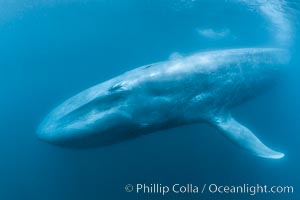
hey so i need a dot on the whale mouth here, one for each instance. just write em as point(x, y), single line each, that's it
point(70, 136)
point(85, 138)
point(70, 127)
point(86, 130)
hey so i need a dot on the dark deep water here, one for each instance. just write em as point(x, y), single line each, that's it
point(51, 50)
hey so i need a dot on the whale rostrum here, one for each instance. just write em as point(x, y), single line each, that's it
point(200, 88)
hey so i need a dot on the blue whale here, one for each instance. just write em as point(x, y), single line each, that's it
point(200, 88)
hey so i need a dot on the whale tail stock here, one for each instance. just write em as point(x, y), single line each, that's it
point(243, 137)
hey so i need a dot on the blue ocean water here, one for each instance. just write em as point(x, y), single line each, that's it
point(51, 50)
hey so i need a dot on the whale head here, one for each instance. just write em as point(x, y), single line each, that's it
point(94, 117)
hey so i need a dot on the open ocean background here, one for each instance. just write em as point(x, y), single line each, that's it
point(51, 50)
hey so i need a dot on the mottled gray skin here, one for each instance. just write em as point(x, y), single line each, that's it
point(183, 90)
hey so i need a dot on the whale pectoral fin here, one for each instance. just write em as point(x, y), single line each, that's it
point(244, 138)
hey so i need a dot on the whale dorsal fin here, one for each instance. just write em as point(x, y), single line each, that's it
point(243, 137)
point(175, 56)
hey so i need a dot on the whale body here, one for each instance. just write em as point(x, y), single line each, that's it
point(200, 88)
